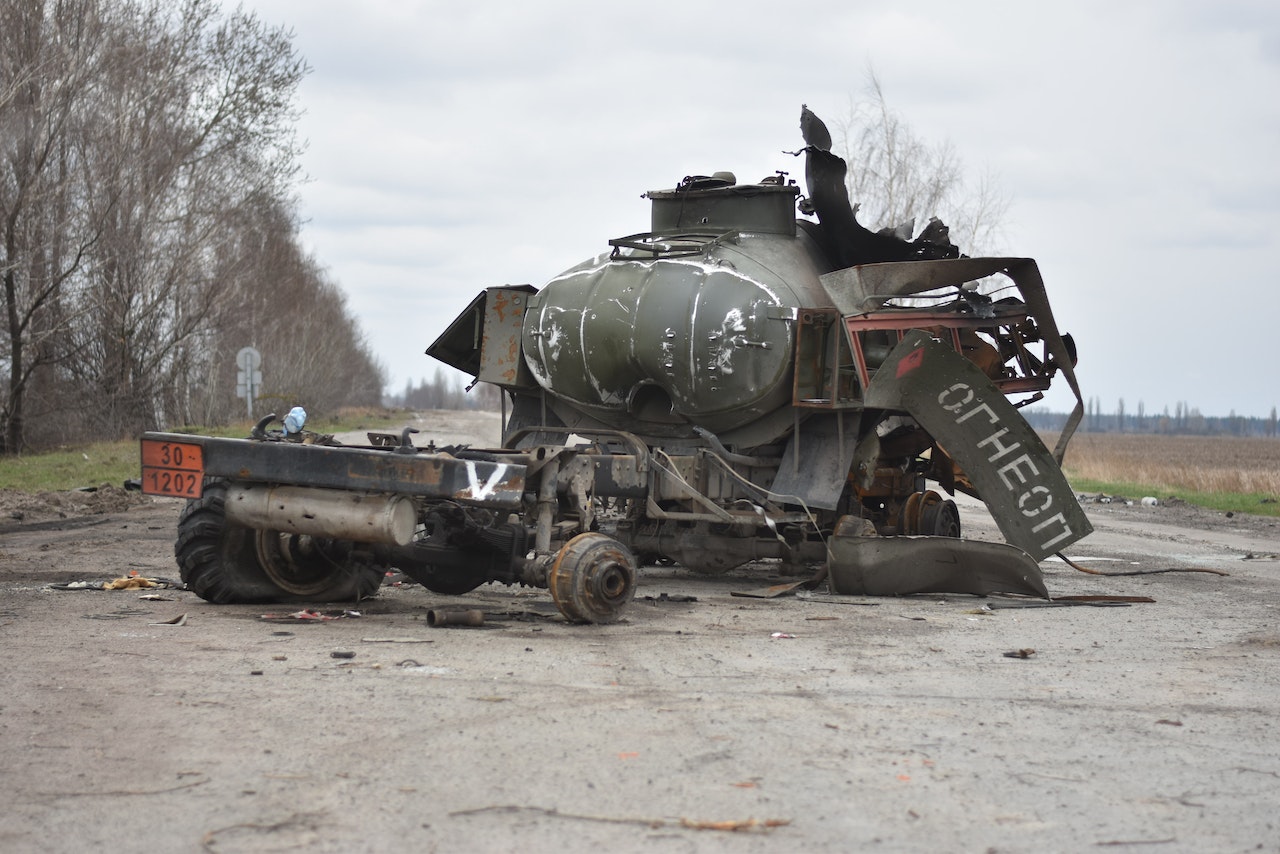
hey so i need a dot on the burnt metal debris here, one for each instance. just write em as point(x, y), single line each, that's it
point(734, 384)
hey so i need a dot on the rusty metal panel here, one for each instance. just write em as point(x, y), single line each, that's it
point(864, 288)
point(815, 466)
point(902, 566)
point(1013, 471)
point(501, 361)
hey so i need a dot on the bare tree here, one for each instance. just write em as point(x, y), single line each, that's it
point(51, 59)
point(895, 177)
point(280, 301)
point(148, 226)
point(200, 129)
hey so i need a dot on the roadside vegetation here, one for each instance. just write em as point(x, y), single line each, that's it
point(95, 463)
point(1224, 473)
point(149, 225)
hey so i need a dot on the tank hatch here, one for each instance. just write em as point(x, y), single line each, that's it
point(718, 203)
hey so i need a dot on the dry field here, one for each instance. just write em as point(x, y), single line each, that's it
point(1199, 463)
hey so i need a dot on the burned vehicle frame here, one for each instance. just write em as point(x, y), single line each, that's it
point(734, 384)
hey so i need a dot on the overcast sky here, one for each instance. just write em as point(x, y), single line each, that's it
point(454, 146)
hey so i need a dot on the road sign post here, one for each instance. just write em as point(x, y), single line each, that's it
point(248, 378)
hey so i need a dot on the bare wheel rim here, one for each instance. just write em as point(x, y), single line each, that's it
point(297, 563)
point(940, 518)
point(593, 579)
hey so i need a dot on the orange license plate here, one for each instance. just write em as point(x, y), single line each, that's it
point(175, 469)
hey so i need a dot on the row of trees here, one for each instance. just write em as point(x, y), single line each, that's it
point(148, 223)
point(445, 391)
point(1185, 420)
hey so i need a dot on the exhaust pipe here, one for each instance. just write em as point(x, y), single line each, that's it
point(329, 513)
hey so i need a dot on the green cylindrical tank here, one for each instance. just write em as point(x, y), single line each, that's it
point(690, 324)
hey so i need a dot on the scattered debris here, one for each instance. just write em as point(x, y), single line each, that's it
point(342, 653)
point(114, 793)
point(180, 620)
point(396, 640)
point(410, 665)
point(677, 597)
point(119, 615)
point(772, 592)
point(733, 826)
point(297, 820)
point(132, 581)
point(440, 619)
point(781, 636)
point(308, 615)
point(1020, 653)
point(1069, 562)
point(1125, 843)
point(834, 598)
point(1061, 602)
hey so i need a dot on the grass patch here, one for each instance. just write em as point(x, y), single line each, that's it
point(1223, 502)
point(58, 471)
point(115, 462)
point(1233, 474)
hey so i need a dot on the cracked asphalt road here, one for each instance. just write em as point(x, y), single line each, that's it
point(874, 724)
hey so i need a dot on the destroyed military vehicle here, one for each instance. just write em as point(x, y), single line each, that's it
point(756, 376)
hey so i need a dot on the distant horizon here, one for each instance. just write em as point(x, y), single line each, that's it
point(1132, 418)
point(1149, 413)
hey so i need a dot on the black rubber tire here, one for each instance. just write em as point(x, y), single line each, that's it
point(218, 560)
point(941, 519)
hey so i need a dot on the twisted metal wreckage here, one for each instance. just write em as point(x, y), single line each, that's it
point(734, 384)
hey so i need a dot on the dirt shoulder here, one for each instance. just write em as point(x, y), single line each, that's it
point(850, 724)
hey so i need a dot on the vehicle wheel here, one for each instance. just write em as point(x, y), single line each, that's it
point(593, 578)
point(317, 569)
point(909, 516)
point(940, 518)
point(225, 563)
point(218, 560)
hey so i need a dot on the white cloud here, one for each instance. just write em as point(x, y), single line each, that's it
point(454, 146)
